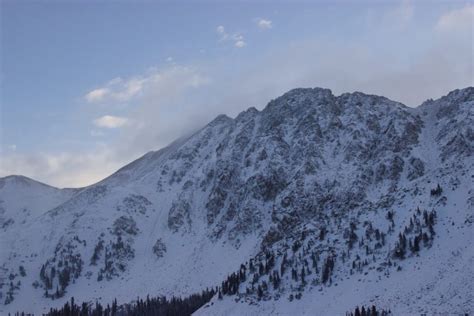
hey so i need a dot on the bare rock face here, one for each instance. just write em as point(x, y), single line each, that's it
point(179, 215)
point(159, 248)
point(124, 225)
point(134, 204)
point(454, 116)
point(416, 168)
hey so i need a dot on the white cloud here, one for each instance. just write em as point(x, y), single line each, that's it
point(97, 95)
point(239, 41)
point(264, 24)
point(220, 29)
point(109, 121)
point(239, 44)
point(222, 33)
point(169, 59)
point(130, 88)
point(459, 19)
point(117, 90)
point(237, 38)
point(121, 90)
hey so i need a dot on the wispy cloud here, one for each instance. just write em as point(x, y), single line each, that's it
point(110, 121)
point(239, 44)
point(117, 90)
point(168, 98)
point(124, 90)
point(97, 95)
point(239, 41)
point(222, 33)
point(237, 38)
point(170, 104)
point(459, 19)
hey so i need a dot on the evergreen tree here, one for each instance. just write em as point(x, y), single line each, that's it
point(374, 311)
point(259, 292)
point(357, 311)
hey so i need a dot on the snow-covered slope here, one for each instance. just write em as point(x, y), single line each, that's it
point(23, 200)
point(23, 195)
point(313, 180)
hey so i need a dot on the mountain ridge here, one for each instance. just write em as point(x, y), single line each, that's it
point(238, 188)
point(459, 93)
point(465, 92)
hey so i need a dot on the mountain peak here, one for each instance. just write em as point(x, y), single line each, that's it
point(314, 91)
point(301, 98)
point(461, 95)
point(244, 115)
point(299, 93)
point(220, 119)
point(20, 180)
point(449, 103)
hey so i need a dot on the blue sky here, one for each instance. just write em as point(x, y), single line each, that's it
point(89, 86)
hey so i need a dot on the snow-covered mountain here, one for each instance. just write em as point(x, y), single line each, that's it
point(315, 204)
